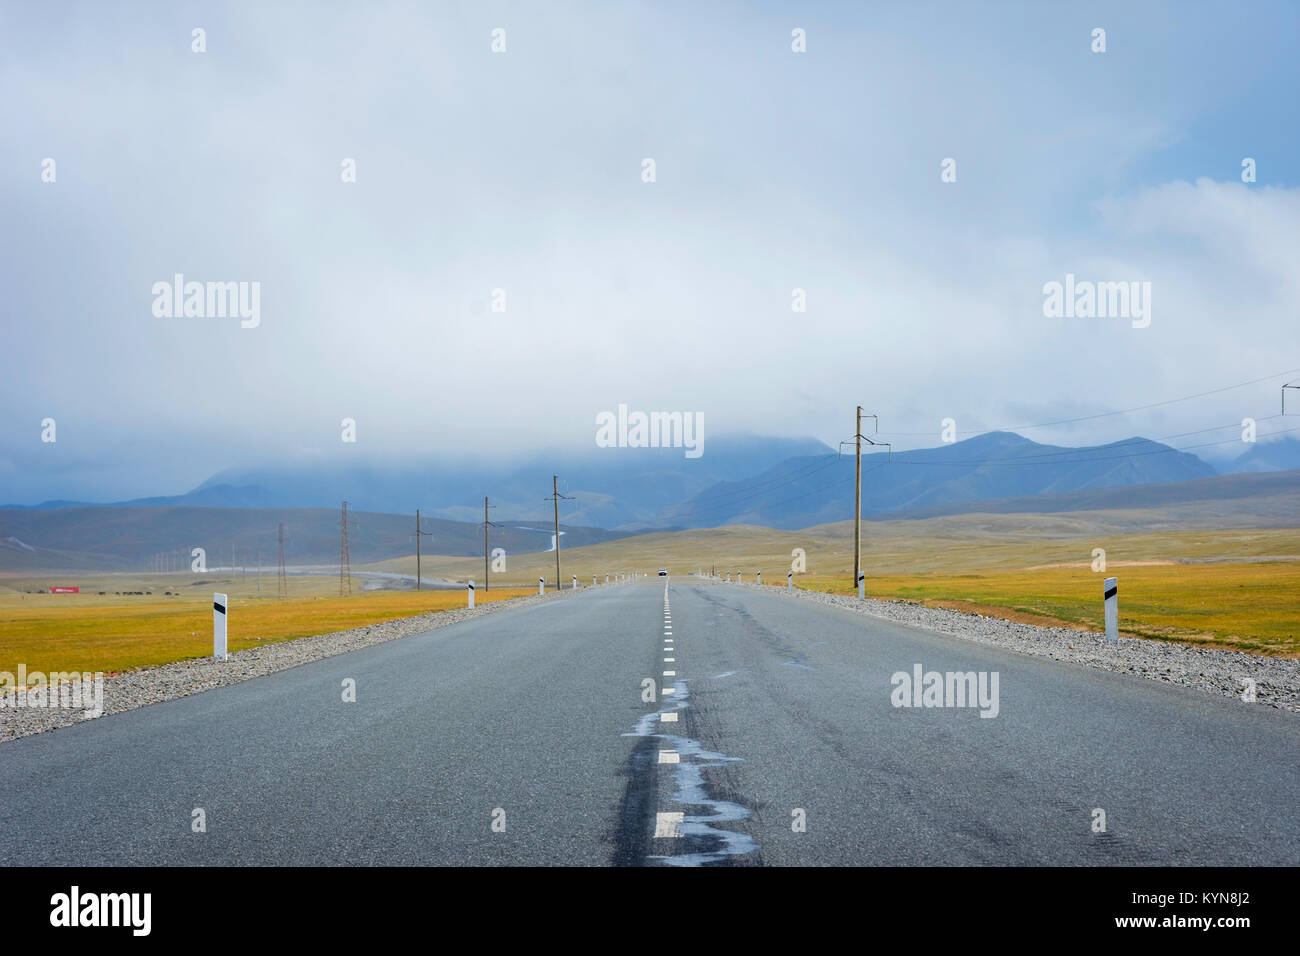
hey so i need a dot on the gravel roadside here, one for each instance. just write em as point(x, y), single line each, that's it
point(1226, 673)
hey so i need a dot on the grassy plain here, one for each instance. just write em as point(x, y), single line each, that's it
point(111, 633)
point(1244, 606)
point(1234, 588)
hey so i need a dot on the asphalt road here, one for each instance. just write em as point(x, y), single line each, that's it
point(522, 738)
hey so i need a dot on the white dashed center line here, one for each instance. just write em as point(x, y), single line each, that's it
point(668, 824)
point(669, 756)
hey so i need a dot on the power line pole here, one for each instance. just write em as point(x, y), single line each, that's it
point(418, 535)
point(345, 555)
point(282, 581)
point(857, 500)
point(486, 524)
point(858, 439)
point(555, 497)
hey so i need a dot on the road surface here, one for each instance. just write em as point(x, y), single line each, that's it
point(521, 737)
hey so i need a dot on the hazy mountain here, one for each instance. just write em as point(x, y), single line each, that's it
point(1280, 455)
point(741, 479)
point(1246, 500)
point(811, 490)
point(608, 487)
point(124, 539)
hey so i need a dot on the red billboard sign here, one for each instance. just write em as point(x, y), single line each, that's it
point(65, 590)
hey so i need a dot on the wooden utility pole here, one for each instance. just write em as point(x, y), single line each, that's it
point(281, 582)
point(555, 496)
point(486, 585)
point(857, 501)
point(418, 534)
point(858, 439)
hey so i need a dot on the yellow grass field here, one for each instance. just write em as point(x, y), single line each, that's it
point(1252, 607)
point(89, 632)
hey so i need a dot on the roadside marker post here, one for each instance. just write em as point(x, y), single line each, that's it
point(219, 604)
point(1111, 596)
point(470, 591)
point(862, 586)
point(607, 579)
point(541, 585)
point(575, 583)
point(759, 578)
point(593, 580)
point(789, 580)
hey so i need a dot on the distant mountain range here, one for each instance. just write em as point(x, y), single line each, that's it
point(742, 479)
point(608, 487)
point(811, 490)
point(133, 538)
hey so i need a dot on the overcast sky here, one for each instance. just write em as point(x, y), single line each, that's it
point(522, 171)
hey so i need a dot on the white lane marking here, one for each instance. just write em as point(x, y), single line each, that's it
point(668, 824)
point(669, 756)
point(669, 690)
point(670, 660)
point(669, 718)
point(670, 673)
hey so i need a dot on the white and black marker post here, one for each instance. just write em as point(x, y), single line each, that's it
point(1111, 586)
point(862, 586)
point(541, 585)
point(789, 580)
point(469, 590)
point(575, 582)
point(219, 626)
point(607, 579)
point(759, 578)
